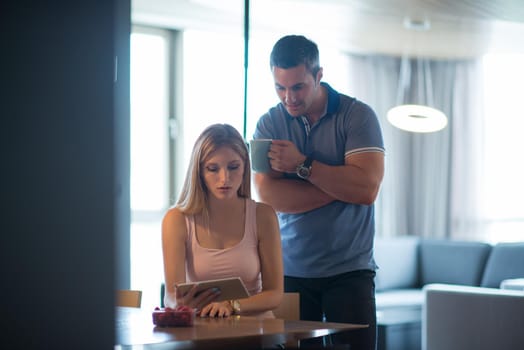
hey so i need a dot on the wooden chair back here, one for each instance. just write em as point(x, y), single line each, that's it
point(289, 308)
point(130, 298)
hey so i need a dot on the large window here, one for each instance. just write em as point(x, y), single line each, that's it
point(150, 188)
point(504, 169)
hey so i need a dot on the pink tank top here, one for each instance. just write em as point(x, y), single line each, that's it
point(241, 260)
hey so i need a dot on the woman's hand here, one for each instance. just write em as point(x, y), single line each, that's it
point(217, 309)
point(197, 300)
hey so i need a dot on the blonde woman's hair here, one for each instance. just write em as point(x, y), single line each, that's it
point(194, 194)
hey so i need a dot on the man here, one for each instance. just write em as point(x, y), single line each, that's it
point(327, 160)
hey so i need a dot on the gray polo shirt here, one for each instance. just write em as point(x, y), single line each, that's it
point(338, 237)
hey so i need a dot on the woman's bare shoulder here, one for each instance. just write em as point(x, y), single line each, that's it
point(267, 223)
point(264, 210)
point(174, 221)
point(175, 214)
point(266, 218)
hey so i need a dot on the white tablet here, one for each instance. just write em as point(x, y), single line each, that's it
point(230, 288)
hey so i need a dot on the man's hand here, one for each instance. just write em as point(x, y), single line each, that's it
point(284, 156)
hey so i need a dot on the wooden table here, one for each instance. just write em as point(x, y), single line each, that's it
point(135, 329)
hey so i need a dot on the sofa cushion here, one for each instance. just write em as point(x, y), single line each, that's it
point(505, 261)
point(453, 262)
point(397, 262)
point(403, 298)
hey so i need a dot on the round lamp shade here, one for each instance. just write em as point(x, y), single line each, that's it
point(417, 118)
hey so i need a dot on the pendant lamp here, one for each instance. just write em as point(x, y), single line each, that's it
point(415, 111)
point(417, 118)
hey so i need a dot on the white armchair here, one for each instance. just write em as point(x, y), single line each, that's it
point(460, 318)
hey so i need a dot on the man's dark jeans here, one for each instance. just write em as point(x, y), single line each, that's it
point(346, 298)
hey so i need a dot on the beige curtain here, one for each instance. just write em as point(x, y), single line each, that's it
point(428, 189)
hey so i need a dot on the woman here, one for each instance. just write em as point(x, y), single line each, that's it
point(216, 230)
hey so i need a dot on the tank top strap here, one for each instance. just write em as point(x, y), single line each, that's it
point(251, 217)
point(190, 229)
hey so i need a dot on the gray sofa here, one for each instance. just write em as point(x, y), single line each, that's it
point(407, 264)
point(464, 317)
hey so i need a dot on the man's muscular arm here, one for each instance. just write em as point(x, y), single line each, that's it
point(289, 195)
point(357, 181)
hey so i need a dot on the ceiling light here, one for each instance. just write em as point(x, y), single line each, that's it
point(417, 24)
point(415, 110)
point(417, 118)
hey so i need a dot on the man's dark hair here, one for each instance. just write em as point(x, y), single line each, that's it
point(293, 50)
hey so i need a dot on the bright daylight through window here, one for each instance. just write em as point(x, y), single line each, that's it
point(504, 168)
point(149, 159)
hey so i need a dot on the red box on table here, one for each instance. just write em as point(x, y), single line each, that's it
point(182, 316)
